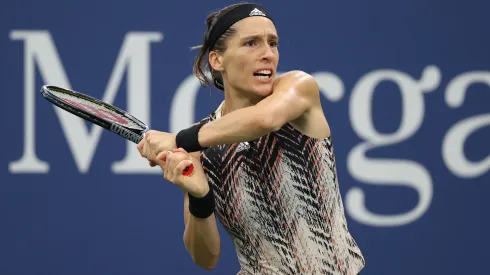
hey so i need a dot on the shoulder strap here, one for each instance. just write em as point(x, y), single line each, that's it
point(216, 114)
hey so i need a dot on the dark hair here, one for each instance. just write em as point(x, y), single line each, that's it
point(200, 65)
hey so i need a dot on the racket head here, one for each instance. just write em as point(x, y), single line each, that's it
point(96, 111)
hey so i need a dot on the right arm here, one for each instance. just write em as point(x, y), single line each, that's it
point(201, 236)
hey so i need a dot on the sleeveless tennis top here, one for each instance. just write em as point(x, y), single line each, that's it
point(278, 198)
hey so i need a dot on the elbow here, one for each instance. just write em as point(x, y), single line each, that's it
point(204, 259)
point(207, 261)
point(210, 262)
point(268, 123)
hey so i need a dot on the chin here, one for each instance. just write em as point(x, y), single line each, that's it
point(264, 90)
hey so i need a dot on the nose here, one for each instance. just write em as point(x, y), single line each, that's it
point(269, 53)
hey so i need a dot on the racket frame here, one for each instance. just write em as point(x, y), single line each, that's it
point(131, 134)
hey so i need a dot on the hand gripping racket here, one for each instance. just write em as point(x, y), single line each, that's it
point(100, 113)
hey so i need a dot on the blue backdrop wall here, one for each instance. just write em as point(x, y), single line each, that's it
point(405, 87)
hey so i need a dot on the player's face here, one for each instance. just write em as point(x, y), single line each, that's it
point(250, 61)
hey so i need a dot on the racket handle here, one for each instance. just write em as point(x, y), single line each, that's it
point(188, 170)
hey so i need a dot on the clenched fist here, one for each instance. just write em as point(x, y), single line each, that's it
point(154, 143)
point(173, 164)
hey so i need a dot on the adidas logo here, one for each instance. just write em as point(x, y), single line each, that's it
point(256, 12)
point(242, 146)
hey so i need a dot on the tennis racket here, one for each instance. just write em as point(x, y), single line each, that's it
point(100, 113)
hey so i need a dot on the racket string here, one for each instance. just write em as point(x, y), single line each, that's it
point(97, 109)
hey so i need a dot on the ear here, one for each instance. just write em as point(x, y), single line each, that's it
point(216, 61)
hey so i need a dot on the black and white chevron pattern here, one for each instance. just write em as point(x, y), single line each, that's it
point(280, 202)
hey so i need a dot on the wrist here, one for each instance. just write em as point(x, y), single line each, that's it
point(174, 142)
point(200, 192)
point(202, 207)
point(188, 139)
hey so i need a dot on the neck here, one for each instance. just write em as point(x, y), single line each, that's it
point(235, 100)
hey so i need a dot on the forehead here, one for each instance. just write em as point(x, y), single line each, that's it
point(255, 25)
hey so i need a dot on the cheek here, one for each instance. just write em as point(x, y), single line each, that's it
point(240, 70)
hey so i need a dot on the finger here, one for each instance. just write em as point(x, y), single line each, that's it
point(162, 156)
point(147, 152)
point(144, 150)
point(149, 155)
point(140, 145)
point(161, 160)
point(167, 171)
point(183, 165)
point(173, 159)
point(176, 158)
point(164, 167)
point(179, 150)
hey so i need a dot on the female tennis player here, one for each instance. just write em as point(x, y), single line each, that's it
point(264, 160)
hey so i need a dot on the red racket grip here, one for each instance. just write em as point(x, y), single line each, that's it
point(188, 170)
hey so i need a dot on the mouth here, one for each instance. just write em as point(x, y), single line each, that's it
point(263, 75)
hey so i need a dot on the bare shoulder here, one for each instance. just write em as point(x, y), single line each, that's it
point(296, 76)
point(299, 81)
point(305, 89)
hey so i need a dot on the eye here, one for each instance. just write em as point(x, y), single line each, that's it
point(250, 43)
point(273, 44)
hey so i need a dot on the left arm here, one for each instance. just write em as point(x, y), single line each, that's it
point(293, 95)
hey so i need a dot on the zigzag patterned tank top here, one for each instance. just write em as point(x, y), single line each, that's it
point(279, 200)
